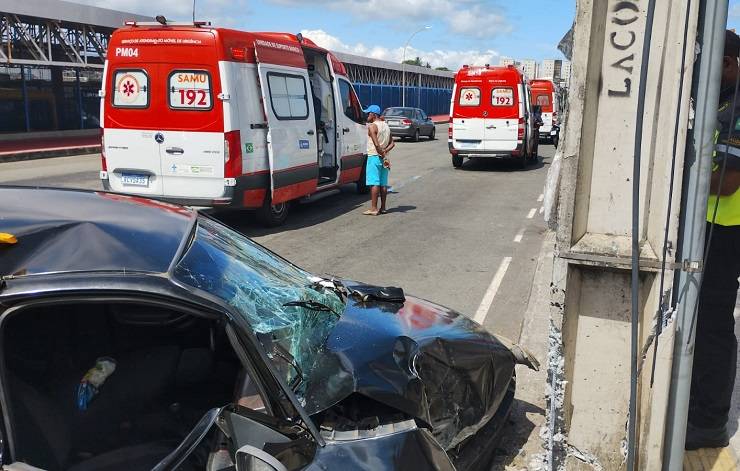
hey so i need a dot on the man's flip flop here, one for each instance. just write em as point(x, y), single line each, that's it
point(370, 212)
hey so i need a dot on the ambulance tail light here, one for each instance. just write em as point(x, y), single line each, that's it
point(232, 154)
point(520, 130)
point(103, 162)
point(449, 129)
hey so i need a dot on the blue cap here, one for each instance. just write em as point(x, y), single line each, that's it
point(373, 109)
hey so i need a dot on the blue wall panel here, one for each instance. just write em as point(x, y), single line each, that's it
point(434, 101)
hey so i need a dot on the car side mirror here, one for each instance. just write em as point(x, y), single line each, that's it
point(249, 458)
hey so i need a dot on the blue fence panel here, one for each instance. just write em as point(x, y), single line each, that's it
point(434, 101)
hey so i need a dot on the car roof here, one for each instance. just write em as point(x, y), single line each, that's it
point(78, 231)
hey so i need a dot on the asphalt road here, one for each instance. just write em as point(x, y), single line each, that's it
point(467, 238)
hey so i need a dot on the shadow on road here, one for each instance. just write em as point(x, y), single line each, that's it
point(400, 209)
point(519, 430)
point(301, 214)
point(486, 164)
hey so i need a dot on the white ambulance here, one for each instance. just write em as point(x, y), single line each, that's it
point(215, 117)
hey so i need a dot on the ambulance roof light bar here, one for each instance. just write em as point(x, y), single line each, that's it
point(161, 20)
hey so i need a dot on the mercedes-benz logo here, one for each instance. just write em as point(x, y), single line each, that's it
point(159, 137)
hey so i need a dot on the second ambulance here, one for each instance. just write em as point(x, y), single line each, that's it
point(491, 116)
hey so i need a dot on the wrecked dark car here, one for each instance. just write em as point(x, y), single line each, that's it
point(137, 334)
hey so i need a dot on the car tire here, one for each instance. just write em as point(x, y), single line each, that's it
point(433, 134)
point(457, 161)
point(270, 215)
point(416, 136)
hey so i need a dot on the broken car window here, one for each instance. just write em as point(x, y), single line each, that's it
point(288, 311)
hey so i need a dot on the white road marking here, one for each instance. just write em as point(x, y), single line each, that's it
point(485, 304)
point(518, 236)
point(542, 209)
point(540, 198)
point(531, 213)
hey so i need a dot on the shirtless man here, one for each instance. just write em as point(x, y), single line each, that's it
point(379, 143)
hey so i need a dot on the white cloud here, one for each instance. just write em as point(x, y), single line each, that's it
point(436, 58)
point(467, 17)
point(218, 12)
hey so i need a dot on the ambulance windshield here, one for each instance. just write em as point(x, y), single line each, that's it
point(290, 313)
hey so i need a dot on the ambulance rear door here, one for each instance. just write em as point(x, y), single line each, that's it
point(131, 151)
point(192, 140)
point(505, 106)
point(291, 135)
point(468, 132)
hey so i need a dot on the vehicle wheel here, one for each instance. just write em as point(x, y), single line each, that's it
point(457, 161)
point(555, 140)
point(362, 187)
point(416, 136)
point(271, 215)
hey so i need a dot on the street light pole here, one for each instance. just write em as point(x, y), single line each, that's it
point(403, 64)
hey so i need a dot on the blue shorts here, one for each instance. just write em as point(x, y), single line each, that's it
point(375, 173)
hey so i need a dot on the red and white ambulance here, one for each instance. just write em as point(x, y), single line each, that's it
point(543, 95)
point(216, 117)
point(491, 116)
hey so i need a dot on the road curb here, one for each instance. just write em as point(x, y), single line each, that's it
point(48, 154)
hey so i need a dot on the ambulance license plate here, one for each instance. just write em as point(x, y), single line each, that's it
point(134, 179)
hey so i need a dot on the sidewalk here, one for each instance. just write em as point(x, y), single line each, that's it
point(40, 148)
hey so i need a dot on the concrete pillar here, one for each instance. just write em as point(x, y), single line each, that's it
point(589, 376)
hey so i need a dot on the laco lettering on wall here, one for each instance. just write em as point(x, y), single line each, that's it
point(625, 14)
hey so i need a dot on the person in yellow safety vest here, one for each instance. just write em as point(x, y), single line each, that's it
point(715, 353)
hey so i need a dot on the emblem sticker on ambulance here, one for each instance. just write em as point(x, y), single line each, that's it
point(131, 89)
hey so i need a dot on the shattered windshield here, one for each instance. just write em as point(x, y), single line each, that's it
point(289, 311)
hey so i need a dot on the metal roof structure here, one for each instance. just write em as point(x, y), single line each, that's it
point(57, 32)
point(63, 33)
point(368, 70)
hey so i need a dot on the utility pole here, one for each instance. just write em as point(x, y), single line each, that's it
point(592, 314)
point(403, 64)
point(693, 222)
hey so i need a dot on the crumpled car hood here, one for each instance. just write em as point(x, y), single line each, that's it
point(420, 358)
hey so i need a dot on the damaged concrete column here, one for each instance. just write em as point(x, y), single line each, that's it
point(589, 378)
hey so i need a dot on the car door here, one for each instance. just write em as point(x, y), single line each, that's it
point(351, 131)
point(427, 123)
point(291, 134)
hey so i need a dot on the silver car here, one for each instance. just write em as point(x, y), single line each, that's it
point(406, 122)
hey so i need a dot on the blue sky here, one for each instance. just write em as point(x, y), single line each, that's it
point(463, 31)
point(733, 16)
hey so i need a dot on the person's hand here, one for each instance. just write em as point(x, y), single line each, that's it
point(386, 163)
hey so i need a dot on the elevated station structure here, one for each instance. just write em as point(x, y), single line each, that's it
point(51, 67)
